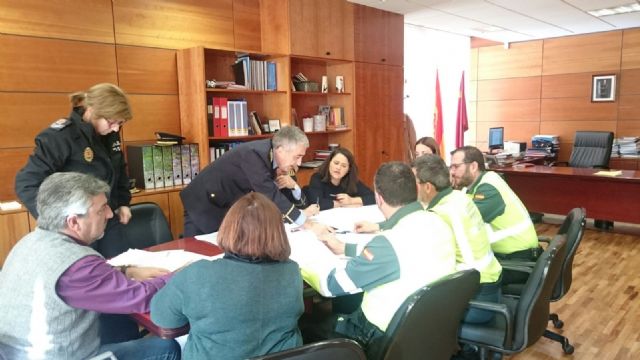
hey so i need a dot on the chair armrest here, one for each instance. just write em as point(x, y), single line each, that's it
point(498, 308)
point(545, 239)
point(517, 265)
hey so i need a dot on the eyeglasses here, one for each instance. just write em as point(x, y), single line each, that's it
point(113, 123)
point(456, 166)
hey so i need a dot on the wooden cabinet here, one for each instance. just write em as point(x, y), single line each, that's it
point(195, 65)
point(379, 116)
point(378, 36)
point(306, 104)
point(13, 226)
point(321, 28)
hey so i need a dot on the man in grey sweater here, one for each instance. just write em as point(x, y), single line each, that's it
point(54, 285)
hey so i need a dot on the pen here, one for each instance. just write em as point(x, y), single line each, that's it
point(333, 195)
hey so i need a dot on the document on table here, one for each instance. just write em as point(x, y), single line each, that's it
point(611, 173)
point(344, 219)
point(169, 259)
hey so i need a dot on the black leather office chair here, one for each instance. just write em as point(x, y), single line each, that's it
point(520, 321)
point(426, 325)
point(591, 149)
point(148, 226)
point(335, 349)
point(573, 227)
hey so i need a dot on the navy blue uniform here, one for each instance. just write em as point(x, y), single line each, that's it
point(73, 145)
point(248, 167)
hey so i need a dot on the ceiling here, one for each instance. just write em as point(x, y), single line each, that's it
point(510, 20)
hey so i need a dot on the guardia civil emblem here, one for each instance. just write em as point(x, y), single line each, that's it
point(88, 154)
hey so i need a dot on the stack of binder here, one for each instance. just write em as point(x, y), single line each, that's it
point(156, 167)
point(545, 146)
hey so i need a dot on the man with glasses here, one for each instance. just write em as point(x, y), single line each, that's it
point(511, 232)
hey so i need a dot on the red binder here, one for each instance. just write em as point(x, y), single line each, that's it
point(217, 126)
point(224, 118)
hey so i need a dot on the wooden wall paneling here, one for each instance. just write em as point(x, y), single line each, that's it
point(520, 60)
point(49, 65)
point(567, 129)
point(567, 86)
point(335, 32)
point(274, 26)
point(152, 113)
point(565, 149)
point(143, 70)
point(11, 160)
point(174, 24)
point(629, 82)
point(629, 108)
point(513, 130)
point(577, 109)
point(473, 65)
point(247, 25)
point(599, 52)
point(508, 110)
point(630, 49)
point(303, 27)
point(191, 89)
point(176, 211)
point(91, 20)
point(162, 199)
point(24, 115)
point(13, 226)
point(509, 89)
point(471, 92)
point(394, 33)
point(33, 223)
point(628, 128)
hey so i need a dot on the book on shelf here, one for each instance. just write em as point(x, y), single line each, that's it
point(255, 74)
point(255, 125)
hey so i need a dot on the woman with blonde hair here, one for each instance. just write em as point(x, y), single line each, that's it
point(247, 303)
point(88, 141)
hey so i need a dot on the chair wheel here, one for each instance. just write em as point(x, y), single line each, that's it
point(558, 324)
point(567, 348)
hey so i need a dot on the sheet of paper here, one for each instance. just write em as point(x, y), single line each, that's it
point(609, 173)
point(210, 238)
point(10, 205)
point(170, 259)
point(344, 219)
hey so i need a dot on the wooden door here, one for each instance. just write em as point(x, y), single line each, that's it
point(379, 36)
point(335, 29)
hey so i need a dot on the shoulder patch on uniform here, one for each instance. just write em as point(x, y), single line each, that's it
point(367, 254)
point(60, 124)
point(478, 196)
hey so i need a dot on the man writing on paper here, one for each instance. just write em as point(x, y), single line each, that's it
point(54, 285)
point(252, 166)
point(391, 266)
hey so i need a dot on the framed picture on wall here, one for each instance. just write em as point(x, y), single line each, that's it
point(603, 88)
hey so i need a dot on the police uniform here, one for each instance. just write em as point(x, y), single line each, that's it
point(246, 168)
point(73, 145)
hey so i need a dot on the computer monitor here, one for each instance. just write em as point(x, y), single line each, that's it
point(496, 138)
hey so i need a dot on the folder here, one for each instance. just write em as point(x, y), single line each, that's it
point(210, 116)
point(195, 160)
point(158, 167)
point(140, 162)
point(177, 164)
point(224, 117)
point(217, 125)
point(167, 165)
point(271, 76)
point(185, 151)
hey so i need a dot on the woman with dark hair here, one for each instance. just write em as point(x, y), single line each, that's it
point(247, 303)
point(427, 145)
point(336, 183)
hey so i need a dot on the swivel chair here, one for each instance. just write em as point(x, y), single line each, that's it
point(573, 227)
point(426, 324)
point(335, 349)
point(520, 321)
point(592, 149)
point(148, 226)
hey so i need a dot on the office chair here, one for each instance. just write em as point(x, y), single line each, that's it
point(335, 349)
point(426, 324)
point(520, 321)
point(148, 226)
point(573, 227)
point(592, 149)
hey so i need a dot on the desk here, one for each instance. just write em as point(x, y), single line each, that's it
point(188, 244)
point(557, 190)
